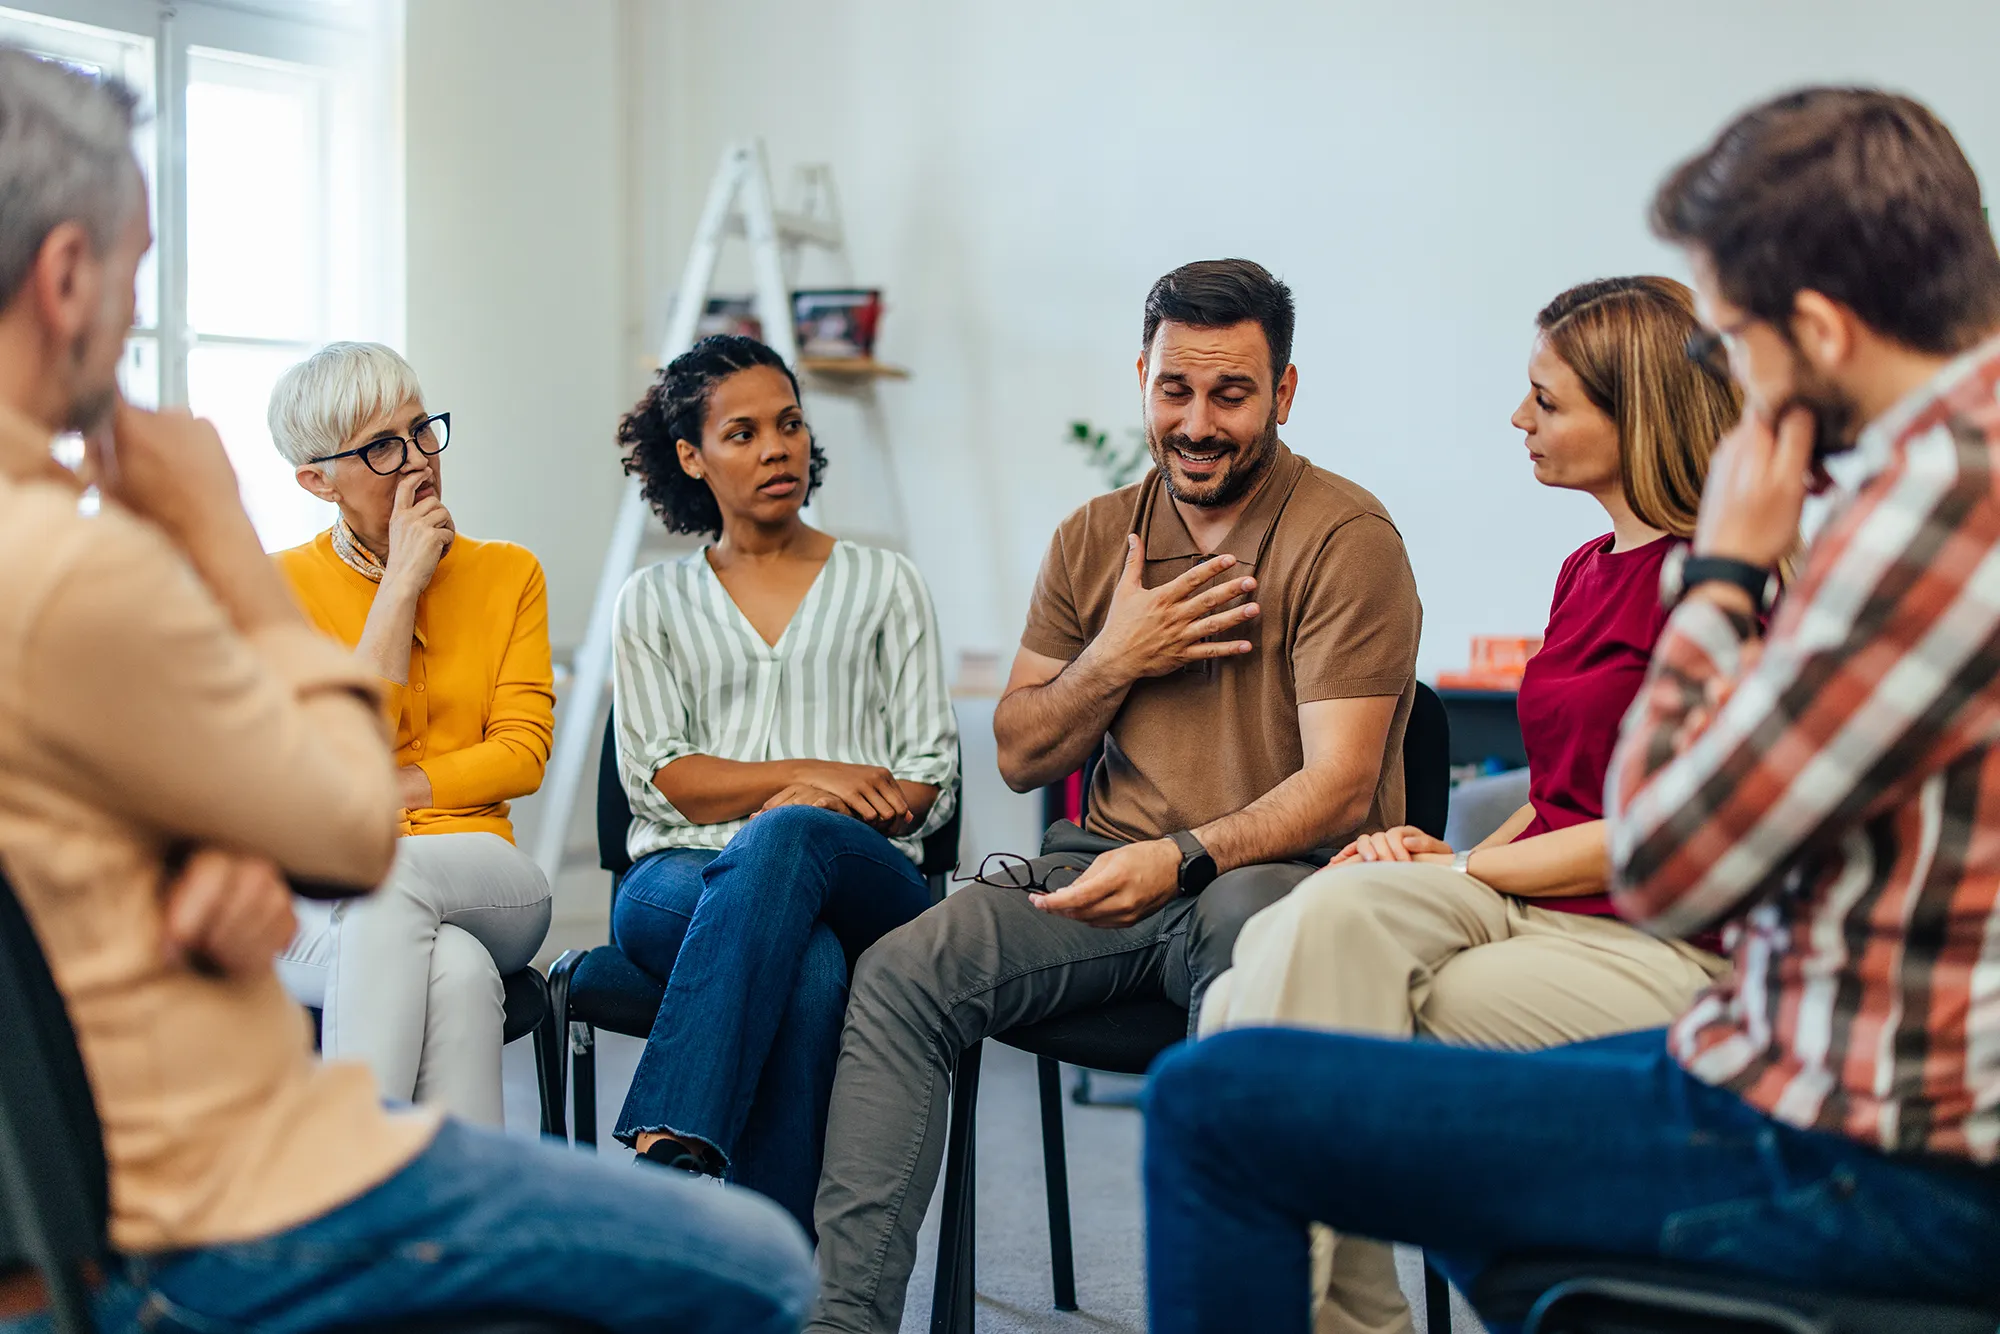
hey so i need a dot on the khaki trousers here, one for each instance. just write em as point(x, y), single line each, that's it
point(1399, 949)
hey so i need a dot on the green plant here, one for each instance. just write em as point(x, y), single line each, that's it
point(1120, 464)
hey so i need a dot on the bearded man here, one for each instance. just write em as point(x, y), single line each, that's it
point(1239, 633)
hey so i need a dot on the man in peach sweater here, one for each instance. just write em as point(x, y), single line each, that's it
point(164, 704)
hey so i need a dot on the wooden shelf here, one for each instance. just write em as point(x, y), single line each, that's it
point(853, 368)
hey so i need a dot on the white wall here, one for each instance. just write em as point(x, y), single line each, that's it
point(1425, 175)
point(517, 271)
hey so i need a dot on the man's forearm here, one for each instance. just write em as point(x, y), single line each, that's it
point(1314, 808)
point(1046, 732)
point(1697, 664)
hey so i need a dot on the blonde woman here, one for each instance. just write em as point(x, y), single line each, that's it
point(1513, 943)
point(457, 630)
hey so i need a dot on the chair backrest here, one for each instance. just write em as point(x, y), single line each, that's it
point(614, 811)
point(614, 817)
point(52, 1170)
point(1427, 763)
point(941, 844)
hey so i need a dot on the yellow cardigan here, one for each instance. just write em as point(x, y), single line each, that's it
point(479, 711)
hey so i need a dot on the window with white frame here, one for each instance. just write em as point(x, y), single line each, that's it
point(272, 147)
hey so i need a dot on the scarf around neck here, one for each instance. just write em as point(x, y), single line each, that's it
point(353, 555)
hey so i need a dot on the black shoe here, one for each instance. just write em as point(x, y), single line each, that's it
point(671, 1153)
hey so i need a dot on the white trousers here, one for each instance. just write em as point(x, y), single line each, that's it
point(408, 978)
point(1397, 949)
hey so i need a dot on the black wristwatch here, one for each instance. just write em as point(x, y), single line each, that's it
point(1197, 867)
point(1683, 571)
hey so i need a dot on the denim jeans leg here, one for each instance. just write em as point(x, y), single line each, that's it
point(733, 977)
point(649, 921)
point(655, 904)
point(780, 1148)
point(484, 1221)
point(1605, 1147)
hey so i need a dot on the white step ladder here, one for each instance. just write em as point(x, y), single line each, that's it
point(739, 203)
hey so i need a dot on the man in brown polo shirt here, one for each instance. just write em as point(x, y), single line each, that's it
point(1239, 631)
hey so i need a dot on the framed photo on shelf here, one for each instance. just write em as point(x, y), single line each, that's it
point(730, 315)
point(837, 323)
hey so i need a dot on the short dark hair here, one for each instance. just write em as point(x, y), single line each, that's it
point(675, 408)
point(1858, 194)
point(1216, 293)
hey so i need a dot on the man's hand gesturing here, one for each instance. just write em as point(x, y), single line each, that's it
point(1154, 631)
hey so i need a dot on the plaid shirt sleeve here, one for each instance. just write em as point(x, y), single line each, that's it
point(1740, 762)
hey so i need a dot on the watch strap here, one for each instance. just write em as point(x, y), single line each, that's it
point(1192, 855)
point(1754, 580)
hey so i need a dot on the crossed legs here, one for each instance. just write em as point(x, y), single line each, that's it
point(409, 977)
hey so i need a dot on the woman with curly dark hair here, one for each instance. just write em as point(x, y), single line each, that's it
point(786, 740)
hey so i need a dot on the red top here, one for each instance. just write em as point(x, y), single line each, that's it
point(1603, 622)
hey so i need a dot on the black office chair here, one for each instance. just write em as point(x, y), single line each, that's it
point(1584, 1295)
point(53, 1177)
point(525, 1000)
point(601, 988)
point(1126, 1037)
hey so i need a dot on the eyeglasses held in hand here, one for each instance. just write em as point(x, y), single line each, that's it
point(1007, 870)
point(386, 457)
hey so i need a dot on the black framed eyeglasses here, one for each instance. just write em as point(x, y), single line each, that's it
point(1008, 870)
point(1709, 348)
point(386, 457)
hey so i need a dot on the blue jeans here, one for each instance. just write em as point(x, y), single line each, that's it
point(482, 1221)
point(754, 945)
point(1604, 1147)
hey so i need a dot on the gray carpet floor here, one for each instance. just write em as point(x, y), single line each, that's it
point(1012, 1238)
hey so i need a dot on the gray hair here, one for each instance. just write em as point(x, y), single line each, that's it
point(318, 405)
point(65, 156)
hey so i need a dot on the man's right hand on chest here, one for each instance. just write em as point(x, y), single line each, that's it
point(1156, 631)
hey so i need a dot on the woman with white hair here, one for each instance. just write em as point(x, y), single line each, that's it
point(408, 980)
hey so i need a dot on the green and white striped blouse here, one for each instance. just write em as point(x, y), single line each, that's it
point(857, 677)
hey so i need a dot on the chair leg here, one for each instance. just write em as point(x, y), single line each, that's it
point(548, 1084)
point(951, 1295)
point(968, 1218)
point(552, 1054)
point(583, 1081)
point(1055, 1181)
point(1437, 1300)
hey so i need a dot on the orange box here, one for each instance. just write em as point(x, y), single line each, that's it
point(1497, 662)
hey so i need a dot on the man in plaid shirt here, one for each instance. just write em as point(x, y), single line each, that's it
point(1829, 1114)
